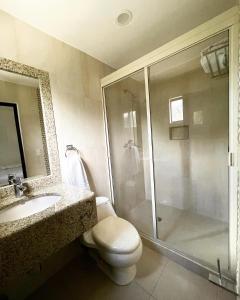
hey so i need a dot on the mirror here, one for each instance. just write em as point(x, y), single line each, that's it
point(23, 150)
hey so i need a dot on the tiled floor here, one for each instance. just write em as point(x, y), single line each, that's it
point(199, 236)
point(157, 278)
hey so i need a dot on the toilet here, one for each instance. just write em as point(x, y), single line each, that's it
point(114, 243)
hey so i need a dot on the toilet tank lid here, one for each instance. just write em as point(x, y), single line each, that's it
point(101, 200)
point(116, 235)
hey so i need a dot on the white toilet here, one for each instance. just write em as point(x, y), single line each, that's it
point(114, 243)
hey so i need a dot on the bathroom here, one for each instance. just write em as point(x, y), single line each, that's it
point(151, 132)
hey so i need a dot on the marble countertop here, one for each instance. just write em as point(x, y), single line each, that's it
point(70, 196)
point(27, 242)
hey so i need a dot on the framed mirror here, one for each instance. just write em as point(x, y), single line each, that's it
point(28, 146)
point(12, 158)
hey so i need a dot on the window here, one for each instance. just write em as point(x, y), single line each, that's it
point(176, 109)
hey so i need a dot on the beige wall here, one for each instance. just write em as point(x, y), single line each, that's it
point(76, 94)
point(9, 151)
point(123, 97)
point(192, 174)
point(131, 180)
point(27, 102)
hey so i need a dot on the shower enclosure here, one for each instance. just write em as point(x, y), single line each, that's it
point(171, 131)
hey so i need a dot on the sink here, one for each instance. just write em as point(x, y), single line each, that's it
point(27, 207)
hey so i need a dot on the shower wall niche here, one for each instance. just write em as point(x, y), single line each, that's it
point(171, 122)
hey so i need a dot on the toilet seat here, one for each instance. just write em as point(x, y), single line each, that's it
point(116, 235)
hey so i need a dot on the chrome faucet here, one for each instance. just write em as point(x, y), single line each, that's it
point(11, 177)
point(19, 187)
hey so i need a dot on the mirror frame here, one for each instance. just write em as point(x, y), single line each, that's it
point(49, 129)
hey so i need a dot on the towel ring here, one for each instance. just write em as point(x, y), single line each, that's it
point(70, 148)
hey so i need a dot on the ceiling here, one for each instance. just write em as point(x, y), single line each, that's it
point(91, 25)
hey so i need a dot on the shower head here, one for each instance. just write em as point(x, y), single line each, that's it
point(126, 91)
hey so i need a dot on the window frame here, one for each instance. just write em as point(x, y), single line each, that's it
point(171, 122)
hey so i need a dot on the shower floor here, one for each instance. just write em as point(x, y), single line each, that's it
point(199, 236)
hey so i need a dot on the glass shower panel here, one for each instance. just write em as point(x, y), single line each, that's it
point(190, 126)
point(128, 141)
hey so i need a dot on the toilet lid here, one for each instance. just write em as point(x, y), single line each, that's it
point(116, 235)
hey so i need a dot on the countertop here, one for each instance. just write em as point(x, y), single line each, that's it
point(29, 241)
point(70, 196)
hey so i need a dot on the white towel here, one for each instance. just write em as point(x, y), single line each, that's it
point(75, 173)
point(136, 159)
point(222, 61)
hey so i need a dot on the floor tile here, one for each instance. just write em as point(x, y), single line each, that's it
point(225, 295)
point(177, 283)
point(94, 284)
point(164, 279)
point(149, 268)
point(200, 236)
point(54, 288)
point(84, 281)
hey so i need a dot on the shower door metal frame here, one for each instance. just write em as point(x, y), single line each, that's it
point(228, 20)
point(150, 145)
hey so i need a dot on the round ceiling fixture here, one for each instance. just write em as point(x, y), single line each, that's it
point(124, 18)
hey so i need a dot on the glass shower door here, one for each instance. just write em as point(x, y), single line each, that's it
point(128, 143)
point(189, 101)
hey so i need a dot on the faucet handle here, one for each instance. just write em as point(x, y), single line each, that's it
point(19, 187)
point(11, 178)
point(17, 180)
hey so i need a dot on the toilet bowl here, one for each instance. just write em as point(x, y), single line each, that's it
point(114, 243)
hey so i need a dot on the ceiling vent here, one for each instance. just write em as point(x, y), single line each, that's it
point(124, 18)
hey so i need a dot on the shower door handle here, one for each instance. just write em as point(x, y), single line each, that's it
point(231, 159)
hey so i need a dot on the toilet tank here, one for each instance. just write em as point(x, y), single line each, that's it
point(104, 208)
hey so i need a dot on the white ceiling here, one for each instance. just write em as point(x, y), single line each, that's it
point(89, 25)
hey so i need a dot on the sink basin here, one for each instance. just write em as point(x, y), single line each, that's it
point(28, 207)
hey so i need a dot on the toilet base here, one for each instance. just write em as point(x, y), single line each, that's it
point(120, 276)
